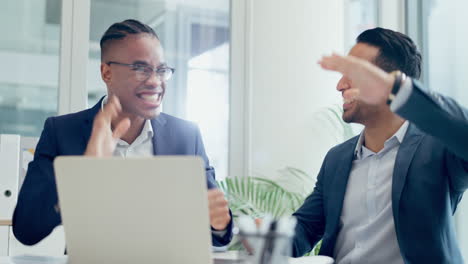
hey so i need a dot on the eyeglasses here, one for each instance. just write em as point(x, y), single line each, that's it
point(143, 72)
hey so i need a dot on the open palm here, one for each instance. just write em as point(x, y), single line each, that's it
point(103, 138)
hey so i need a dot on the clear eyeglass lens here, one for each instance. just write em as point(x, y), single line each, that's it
point(144, 73)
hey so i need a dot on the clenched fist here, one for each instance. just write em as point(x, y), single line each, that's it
point(219, 210)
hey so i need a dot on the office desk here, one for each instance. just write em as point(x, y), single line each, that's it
point(33, 260)
point(226, 255)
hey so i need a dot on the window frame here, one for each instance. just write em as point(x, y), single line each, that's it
point(74, 48)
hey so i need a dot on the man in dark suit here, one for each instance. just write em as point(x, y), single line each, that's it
point(388, 195)
point(125, 123)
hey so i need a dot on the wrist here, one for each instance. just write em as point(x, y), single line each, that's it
point(396, 80)
point(91, 150)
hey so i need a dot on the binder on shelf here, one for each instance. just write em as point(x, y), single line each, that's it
point(27, 148)
point(9, 174)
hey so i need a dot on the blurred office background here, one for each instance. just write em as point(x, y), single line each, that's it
point(246, 70)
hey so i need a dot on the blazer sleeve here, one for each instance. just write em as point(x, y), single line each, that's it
point(445, 119)
point(35, 215)
point(310, 219)
point(217, 240)
point(200, 151)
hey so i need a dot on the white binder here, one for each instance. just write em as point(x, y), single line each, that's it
point(27, 148)
point(9, 174)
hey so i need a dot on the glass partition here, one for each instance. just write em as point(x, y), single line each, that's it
point(29, 52)
point(195, 36)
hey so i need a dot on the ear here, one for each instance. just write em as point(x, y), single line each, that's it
point(106, 73)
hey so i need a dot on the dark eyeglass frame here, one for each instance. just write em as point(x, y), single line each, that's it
point(165, 73)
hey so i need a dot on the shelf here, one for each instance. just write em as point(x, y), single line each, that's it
point(5, 222)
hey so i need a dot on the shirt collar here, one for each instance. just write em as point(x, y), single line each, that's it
point(400, 134)
point(361, 152)
point(104, 102)
point(147, 129)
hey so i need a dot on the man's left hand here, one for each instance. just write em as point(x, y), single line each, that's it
point(219, 210)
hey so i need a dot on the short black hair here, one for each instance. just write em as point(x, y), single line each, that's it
point(396, 51)
point(120, 30)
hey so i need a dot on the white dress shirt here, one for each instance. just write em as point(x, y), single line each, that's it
point(141, 147)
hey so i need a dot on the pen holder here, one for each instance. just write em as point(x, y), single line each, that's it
point(269, 248)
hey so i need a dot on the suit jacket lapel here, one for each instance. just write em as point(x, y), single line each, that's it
point(160, 146)
point(340, 181)
point(89, 119)
point(402, 162)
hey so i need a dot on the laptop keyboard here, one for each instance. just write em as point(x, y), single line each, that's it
point(226, 261)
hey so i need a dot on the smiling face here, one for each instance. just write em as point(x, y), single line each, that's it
point(354, 110)
point(139, 98)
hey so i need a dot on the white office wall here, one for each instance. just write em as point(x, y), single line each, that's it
point(285, 86)
point(392, 14)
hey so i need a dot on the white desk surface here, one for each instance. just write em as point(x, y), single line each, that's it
point(33, 260)
point(225, 255)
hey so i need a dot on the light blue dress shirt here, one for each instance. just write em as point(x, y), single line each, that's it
point(367, 233)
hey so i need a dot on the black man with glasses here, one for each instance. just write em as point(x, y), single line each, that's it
point(127, 122)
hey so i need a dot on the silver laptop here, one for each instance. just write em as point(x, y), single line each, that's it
point(134, 210)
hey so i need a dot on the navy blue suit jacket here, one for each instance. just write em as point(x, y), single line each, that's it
point(35, 217)
point(429, 178)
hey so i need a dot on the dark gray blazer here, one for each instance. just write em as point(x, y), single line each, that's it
point(430, 176)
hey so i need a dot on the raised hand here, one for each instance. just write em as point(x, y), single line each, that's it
point(219, 210)
point(104, 138)
point(373, 83)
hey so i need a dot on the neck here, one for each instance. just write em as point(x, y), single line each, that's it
point(380, 129)
point(136, 126)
